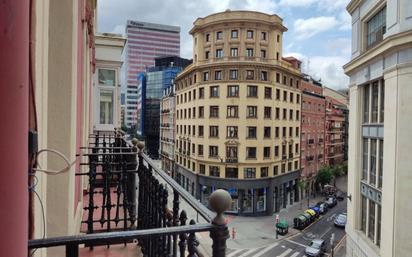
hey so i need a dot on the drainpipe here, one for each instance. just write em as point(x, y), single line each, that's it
point(14, 113)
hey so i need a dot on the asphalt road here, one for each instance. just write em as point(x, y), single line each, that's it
point(295, 246)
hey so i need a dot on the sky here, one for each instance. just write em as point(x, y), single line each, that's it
point(319, 31)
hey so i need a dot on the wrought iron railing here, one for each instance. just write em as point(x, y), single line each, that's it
point(162, 228)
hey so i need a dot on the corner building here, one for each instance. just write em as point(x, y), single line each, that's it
point(238, 113)
point(379, 179)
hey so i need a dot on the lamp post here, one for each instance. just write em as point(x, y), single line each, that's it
point(332, 238)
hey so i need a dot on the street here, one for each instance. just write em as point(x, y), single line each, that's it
point(294, 246)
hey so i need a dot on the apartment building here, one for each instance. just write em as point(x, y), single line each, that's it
point(380, 72)
point(145, 42)
point(313, 132)
point(334, 128)
point(238, 109)
point(167, 132)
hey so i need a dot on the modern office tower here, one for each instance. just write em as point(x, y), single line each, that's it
point(313, 132)
point(145, 42)
point(149, 95)
point(238, 113)
point(380, 129)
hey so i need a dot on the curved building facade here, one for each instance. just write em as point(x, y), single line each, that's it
point(238, 110)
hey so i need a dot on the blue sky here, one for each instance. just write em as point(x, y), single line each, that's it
point(319, 31)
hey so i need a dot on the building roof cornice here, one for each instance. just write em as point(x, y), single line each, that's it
point(352, 5)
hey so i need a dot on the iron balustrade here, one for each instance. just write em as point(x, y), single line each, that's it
point(160, 231)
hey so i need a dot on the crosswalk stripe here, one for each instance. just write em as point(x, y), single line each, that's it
point(265, 250)
point(295, 254)
point(248, 252)
point(285, 253)
point(232, 254)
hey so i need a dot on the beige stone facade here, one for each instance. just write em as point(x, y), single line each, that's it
point(379, 180)
point(238, 113)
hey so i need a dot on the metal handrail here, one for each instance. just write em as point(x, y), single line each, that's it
point(193, 202)
point(113, 237)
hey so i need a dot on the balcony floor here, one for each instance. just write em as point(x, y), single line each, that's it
point(131, 250)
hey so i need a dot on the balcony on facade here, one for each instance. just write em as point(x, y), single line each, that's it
point(143, 215)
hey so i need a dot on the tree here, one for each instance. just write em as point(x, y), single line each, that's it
point(337, 171)
point(324, 175)
point(302, 186)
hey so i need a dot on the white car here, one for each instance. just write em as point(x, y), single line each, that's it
point(315, 248)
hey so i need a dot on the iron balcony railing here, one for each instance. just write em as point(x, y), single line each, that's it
point(162, 228)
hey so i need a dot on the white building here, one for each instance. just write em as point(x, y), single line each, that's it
point(106, 91)
point(380, 129)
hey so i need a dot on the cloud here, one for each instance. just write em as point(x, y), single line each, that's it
point(345, 21)
point(119, 29)
point(325, 5)
point(327, 68)
point(308, 28)
point(296, 3)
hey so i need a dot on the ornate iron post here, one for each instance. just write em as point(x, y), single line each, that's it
point(219, 202)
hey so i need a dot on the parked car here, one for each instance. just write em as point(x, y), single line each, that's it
point(315, 248)
point(323, 208)
point(340, 220)
point(331, 201)
point(300, 222)
point(340, 195)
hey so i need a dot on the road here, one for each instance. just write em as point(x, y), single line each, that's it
point(295, 246)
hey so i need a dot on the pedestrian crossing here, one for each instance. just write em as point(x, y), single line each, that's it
point(267, 251)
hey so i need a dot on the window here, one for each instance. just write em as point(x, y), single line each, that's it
point(266, 132)
point(233, 74)
point(277, 113)
point(234, 52)
point(268, 93)
point(233, 91)
point(372, 175)
point(363, 213)
point(232, 111)
point(213, 131)
point(275, 170)
point(249, 52)
point(231, 131)
point(251, 152)
point(219, 53)
point(290, 114)
point(201, 112)
point(263, 53)
point(382, 107)
point(250, 74)
point(284, 114)
point(201, 93)
point(283, 168)
point(202, 169)
point(376, 28)
point(371, 226)
point(251, 112)
point(290, 135)
point(263, 35)
point(107, 78)
point(231, 173)
point(276, 132)
point(231, 152)
point(266, 152)
point(205, 76)
point(297, 99)
point(194, 112)
point(277, 94)
point(249, 173)
point(278, 38)
point(200, 131)
point(291, 97)
point(297, 132)
point(194, 131)
point(213, 151)
point(214, 171)
point(291, 82)
point(380, 175)
point(276, 151)
point(375, 93)
point(264, 75)
point(365, 160)
point(267, 114)
point(285, 96)
point(214, 111)
point(252, 91)
point(297, 115)
point(234, 34)
point(219, 35)
point(284, 80)
point(277, 78)
point(264, 171)
point(296, 148)
point(249, 34)
point(251, 132)
point(106, 107)
point(200, 150)
point(214, 91)
point(284, 132)
point(218, 75)
point(207, 53)
point(207, 37)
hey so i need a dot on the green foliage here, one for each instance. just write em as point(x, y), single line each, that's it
point(325, 175)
